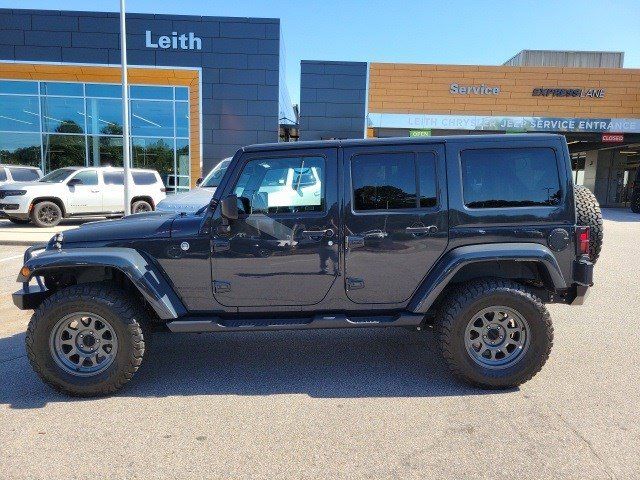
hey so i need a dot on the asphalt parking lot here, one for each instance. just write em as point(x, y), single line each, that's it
point(356, 404)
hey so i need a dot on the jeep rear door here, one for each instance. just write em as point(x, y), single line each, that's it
point(395, 214)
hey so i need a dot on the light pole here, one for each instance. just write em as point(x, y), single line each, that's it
point(125, 109)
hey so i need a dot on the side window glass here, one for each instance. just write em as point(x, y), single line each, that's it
point(281, 185)
point(384, 181)
point(510, 177)
point(427, 180)
point(23, 174)
point(113, 178)
point(88, 177)
point(3, 175)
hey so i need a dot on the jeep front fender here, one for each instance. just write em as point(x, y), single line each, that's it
point(144, 275)
point(450, 263)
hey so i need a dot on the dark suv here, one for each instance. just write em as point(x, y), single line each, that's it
point(470, 234)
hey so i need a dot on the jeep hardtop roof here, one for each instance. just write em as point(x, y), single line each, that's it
point(506, 138)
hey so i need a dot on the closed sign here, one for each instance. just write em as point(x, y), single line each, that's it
point(612, 138)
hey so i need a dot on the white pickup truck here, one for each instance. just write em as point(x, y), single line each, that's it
point(79, 192)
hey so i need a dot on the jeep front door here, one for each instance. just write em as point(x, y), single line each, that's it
point(283, 248)
point(396, 224)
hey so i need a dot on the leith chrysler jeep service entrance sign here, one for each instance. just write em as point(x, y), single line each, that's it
point(501, 124)
point(185, 41)
point(456, 89)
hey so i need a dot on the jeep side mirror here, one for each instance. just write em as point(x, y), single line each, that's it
point(199, 181)
point(74, 181)
point(229, 207)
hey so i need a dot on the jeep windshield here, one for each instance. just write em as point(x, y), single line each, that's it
point(58, 176)
point(215, 176)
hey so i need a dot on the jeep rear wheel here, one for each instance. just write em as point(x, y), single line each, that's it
point(46, 214)
point(494, 333)
point(589, 215)
point(86, 340)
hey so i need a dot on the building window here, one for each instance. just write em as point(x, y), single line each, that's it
point(20, 148)
point(56, 124)
point(510, 177)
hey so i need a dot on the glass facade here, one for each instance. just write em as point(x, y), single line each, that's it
point(59, 124)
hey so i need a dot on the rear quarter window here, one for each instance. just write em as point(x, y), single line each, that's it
point(144, 178)
point(510, 177)
point(24, 174)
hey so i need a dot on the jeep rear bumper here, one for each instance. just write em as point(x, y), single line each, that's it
point(582, 278)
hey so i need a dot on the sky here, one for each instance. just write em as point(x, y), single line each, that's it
point(456, 32)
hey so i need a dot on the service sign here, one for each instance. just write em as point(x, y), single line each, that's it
point(506, 123)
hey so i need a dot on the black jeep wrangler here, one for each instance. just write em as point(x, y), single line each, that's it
point(470, 234)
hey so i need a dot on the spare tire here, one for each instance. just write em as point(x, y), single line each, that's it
point(588, 214)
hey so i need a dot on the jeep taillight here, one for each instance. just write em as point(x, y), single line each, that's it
point(582, 240)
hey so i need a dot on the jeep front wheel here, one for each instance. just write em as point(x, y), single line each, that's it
point(46, 214)
point(494, 333)
point(86, 340)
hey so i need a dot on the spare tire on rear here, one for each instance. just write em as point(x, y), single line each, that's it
point(588, 214)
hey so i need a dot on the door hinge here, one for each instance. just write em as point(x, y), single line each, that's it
point(221, 287)
point(354, 283)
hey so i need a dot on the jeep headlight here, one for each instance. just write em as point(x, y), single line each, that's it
point(13, 193)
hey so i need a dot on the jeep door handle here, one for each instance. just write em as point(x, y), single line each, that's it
point(317, 233)
point(431, 229)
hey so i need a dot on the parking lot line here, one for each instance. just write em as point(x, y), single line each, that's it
point(6, 259)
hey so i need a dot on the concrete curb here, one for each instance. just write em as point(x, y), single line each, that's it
point(17, 243)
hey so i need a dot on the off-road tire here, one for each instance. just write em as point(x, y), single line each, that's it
point(125, 315)
point(36, 217)
point(19, 221)
point(635, 199)
point(140, 206)
point(460, 307)
point(589, 215)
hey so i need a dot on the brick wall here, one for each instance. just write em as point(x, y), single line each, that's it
point(332, 99)
point(410, 88)
point(239, 60)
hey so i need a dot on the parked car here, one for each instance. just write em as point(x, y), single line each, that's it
point(198, 197)
point(79, 192)
point(18, 173)
point(471, 235)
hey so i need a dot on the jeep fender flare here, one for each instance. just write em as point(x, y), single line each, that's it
point(452, 261)
point(143, 274)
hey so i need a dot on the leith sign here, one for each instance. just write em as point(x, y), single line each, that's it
point(184, 41)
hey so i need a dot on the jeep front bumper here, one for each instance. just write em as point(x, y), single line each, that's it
point(29, 297)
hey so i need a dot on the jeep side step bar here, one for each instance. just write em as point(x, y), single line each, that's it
point(217, 324)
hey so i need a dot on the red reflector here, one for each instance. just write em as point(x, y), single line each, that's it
point(582, 240)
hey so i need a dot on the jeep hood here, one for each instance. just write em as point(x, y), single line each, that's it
point(133, 227)
point(187, 202)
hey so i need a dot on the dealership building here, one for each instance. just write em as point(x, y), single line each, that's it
point(587, 96)
point(200, 88)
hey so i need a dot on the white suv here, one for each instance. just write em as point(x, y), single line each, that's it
point(79, 192)
point(18, 173)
